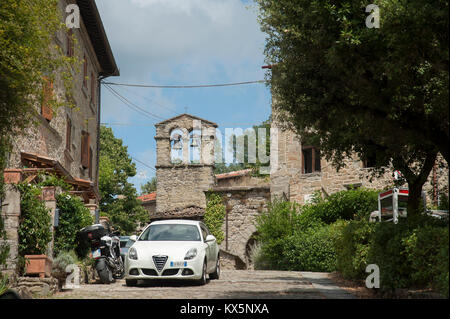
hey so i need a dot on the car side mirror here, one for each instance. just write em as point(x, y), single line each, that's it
point(210, 238)
point(133, 237)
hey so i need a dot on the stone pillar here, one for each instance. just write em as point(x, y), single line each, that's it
point(92, 206)
point(49, 197)
point(10, 212)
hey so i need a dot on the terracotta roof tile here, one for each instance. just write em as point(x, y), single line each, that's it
point(148, 197)
point(234, 174)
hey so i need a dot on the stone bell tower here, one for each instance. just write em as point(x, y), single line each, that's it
point(184, 166)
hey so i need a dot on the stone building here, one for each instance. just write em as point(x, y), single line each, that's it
point(184, 165)
point(66, 140)
point(149, 203)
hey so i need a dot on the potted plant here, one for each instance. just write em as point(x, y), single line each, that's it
point(34, 231)
point(59, 267)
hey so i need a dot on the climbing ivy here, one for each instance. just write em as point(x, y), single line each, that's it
point(214, 215)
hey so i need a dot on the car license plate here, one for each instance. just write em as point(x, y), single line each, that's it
point(96, 253)
point(178, 263)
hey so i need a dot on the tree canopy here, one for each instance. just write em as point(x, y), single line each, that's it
point(118, 197)
point(149, 187)
point(347, 88)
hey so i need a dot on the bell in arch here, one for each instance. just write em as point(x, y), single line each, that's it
point(177, 142)
point(194, 142)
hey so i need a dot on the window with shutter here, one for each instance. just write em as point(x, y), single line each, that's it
point(70, 46)
point(46, 108)
point(92, 88)
point(85, 72)
point(90, 162)
point(68, 134)
point(85, 144)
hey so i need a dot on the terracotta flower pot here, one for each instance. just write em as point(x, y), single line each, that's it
point(38, 265)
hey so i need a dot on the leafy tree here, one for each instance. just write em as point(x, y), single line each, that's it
point(118, 197)
point(377, 92)
point(149, 187)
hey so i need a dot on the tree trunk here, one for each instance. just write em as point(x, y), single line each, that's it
point(415, 182)
point(414, 205)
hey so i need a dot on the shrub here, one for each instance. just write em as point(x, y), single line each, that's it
point(35, 225)
point(278, 221)
point(73, 216)
point(214, 215)
point(347, 205)
point(311, 249)
point(427, 251)
point(273, 227)
point(352, 244)
point(60, 264)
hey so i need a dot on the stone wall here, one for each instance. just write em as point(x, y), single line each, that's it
point(243, 205)
point(182, 185)
point(10, 213)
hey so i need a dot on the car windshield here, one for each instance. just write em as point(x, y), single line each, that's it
point(171, 232)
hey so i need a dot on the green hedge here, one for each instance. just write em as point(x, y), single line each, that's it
point(352, 244)
point(311, 249)
point(349, 204)
point(408, 254)
point(73, 216)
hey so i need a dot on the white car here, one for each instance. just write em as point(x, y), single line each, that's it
point(173, 249)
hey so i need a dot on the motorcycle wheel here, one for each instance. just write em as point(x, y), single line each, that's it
point(105, 274)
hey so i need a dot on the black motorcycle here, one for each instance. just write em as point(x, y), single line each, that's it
point(105, 249)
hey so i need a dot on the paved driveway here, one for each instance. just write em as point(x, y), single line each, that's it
point(235, 284)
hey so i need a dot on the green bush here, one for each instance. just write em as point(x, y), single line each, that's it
point(35, 224)
point(427, 251)
point(349, 204)
point(73, 216)
point(352, 244)
point(273, 228)
point(310, 250)
point(63, 259)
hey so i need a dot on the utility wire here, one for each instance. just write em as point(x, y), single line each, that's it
point(152, 101)
point(185, 86)
point(143, 163)
point(132, 105)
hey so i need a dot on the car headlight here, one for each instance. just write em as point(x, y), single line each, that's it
point(132, 253)
point(191, 254)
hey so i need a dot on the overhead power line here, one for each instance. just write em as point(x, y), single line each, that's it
point(143, 163)
point(132, 105)
point(185, 86)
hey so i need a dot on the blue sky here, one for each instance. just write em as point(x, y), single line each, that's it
point(182, 42)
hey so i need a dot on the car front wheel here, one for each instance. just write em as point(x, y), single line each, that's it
point(216, 273)
point(202, 280)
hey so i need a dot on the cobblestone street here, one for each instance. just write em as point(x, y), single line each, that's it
point(234, 284)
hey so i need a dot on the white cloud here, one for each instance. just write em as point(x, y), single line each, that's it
point(183, 40)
